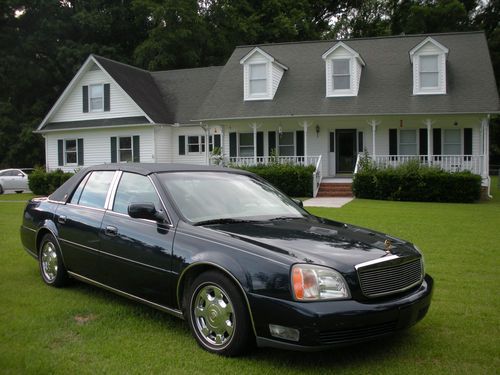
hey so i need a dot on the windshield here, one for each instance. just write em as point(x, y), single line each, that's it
point(204, 196)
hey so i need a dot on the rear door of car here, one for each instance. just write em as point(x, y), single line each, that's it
point(137, 252)
point(79, 222)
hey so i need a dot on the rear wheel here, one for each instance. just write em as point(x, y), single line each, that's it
point(19, 191)
point(50, 261)
point(1, 189)
point(217, 315)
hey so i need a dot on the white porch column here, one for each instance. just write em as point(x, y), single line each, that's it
point(373, 124)
point(254, 126)
point(305, 125)
point(207, 133)
point(428, 123)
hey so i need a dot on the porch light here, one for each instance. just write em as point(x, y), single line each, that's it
point(317, 130)
point(455, 123)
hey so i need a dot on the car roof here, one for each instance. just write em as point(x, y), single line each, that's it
point(64, 191)
point(148, 168)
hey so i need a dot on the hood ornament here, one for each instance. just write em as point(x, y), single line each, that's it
point(388, 246)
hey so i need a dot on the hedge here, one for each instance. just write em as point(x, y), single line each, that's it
point(44, 183)
point(293, 180)
point(413, 182)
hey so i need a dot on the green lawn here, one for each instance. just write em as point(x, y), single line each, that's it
point(81, 329)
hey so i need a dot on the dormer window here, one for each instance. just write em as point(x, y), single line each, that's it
point(343, 68)
point(258, 79)
point(429, 67)
point(261, 75)
point(341, 74)
point(429, 71)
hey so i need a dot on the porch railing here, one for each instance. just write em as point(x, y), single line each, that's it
point(317, 177)
point(450, 163)
point(295, 160)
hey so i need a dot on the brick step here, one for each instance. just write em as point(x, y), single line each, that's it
point(328, 194)
point(335, 188)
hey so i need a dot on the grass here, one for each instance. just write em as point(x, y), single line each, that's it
point(84, 330)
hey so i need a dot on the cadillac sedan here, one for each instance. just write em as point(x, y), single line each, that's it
point(241, 262)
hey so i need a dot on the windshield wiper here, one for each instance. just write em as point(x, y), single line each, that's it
point(226, 220)
point(286, 218)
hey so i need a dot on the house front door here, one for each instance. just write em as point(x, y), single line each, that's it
point(346, 150)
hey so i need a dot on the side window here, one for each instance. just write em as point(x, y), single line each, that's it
point(93, 190)
point(134, 188)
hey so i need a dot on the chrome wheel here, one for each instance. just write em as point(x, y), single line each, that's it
point(213, 314)
point(49, 261)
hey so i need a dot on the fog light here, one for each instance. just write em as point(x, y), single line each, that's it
point(286, 333)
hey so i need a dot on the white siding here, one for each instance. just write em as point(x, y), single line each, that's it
point(277, 73)
point(163, 144)
point(97, 145)
point(72, 108)
point(188, 158)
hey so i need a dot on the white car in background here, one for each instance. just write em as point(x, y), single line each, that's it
point(14, 180)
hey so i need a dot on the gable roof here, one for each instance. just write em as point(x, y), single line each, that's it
point(140, 86)
point(386, 86)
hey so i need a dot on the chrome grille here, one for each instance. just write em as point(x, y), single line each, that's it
point(389, 277)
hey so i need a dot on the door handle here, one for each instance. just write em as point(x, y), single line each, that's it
point(111, 231)
point(61, 219)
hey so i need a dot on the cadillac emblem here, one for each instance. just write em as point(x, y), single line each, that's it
point(388, 246)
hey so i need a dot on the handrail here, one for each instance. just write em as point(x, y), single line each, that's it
point(358, 159)
point(317, 177)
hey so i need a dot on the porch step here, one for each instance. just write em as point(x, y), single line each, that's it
point(329, 189)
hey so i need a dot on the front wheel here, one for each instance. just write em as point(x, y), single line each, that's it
point(50, 262)
point(1, 189)
point(217, 315)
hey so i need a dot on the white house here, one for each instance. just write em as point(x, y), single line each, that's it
point(425, 97)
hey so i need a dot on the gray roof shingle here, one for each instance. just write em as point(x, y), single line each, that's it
point(386, 85)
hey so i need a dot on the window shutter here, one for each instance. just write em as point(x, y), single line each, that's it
point(232, 145)
point(182, 145)
point(113, 149)
point(271, 141)
point(60, 152)
point(85, 98)
point(300, 143)
point(107, 101)
point(217, 140)
point(436, 136)
point(468, 141)
point(360, 142)
point(332, 141)
point(80, 151)
point(422, 138)
point(260, 143)
point(137, 149)
point(393, 141)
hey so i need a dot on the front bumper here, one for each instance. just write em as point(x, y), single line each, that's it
point(335, 323)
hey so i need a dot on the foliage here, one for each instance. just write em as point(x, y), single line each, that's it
point(293, 180)
point(44, 183)
point(413, 182)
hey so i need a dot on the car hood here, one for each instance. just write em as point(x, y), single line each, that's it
point(319, 241)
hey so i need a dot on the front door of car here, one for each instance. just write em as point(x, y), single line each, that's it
point(79, 221)
point(137, 252)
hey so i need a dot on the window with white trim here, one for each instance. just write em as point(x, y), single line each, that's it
point(408, 142)
point(125, 149)
point(210, 143)
point(96, 98)
point(70, 152)
point(286, 144)
point(429, 71)
point(452, 142)
point(246, 144)
point(258, 79)
point(341, 74)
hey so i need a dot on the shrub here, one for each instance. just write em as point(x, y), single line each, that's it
point(293, 180)
point(44, 183)
point(414, 182)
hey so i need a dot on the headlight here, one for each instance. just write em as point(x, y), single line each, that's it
point(312, 283)
point(422, 262)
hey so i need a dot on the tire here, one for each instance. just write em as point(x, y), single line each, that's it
point(1, 190)
point(50, 262)
point(19, 191)
point(217, 315)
